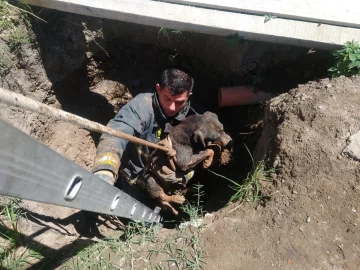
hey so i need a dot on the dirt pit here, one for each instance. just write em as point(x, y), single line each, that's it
point(308, 216)
point(311, 217)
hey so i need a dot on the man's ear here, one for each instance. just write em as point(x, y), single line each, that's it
point(198, 137)
point(158, 88)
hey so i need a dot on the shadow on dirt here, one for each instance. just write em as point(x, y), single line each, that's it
point(52, 257)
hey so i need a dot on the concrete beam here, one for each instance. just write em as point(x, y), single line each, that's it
point(208, 21)
point(344, 13)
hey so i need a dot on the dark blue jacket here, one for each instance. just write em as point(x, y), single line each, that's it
point(143, 117)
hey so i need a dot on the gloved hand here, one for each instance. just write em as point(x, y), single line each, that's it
point(162, 165)
point(106, 175)
point(167, 143)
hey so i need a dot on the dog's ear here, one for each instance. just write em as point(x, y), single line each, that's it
point(198, 137)
point(210, 114)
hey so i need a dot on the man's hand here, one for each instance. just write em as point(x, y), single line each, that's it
point(161, 164)
point(106, 175)
point(171, 153)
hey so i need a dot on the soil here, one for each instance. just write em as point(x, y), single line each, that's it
point(309, 217)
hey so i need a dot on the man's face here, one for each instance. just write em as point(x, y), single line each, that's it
point(171, 105)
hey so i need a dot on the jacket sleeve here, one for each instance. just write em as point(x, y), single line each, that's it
point(130, 120)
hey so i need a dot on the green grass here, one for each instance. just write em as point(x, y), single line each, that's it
point(10, 213)
point(347, 60)
point(14, 24)
point(164, 32)
point(12, 259)
point(14, 255)
point(182, 249)
point(258, 77)
point(144, 247)
point(249, 190)
point(235, 41)
point(268, 17)
point(15, 29)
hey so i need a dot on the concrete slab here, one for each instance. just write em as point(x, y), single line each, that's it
point(208, 21)
point(346, 13)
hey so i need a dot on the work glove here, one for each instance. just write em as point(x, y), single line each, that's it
point(162, 165)
point(159, 165)
point(106, 175)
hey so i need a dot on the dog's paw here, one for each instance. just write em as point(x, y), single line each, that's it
point(167, 206)
point(209, 160)
point(179, 199)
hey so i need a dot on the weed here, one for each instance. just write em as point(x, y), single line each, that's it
point(139, 233)
point(249, 190)
point(14, 24)
point(115, 252)
point(10, 259)
point(182, 249)
point(164, 32)
point(172, 56)
point(257, 78)
point(268, 17)
point(139, 244)
point(347, 60)
point(235, 41)
point(15, 28)
point(10, 255)
point(194, 210)
point(12, 211)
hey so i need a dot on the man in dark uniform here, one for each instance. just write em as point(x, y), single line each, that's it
point(148, 116)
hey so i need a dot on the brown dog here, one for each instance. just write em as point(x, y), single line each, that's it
point(195, 140)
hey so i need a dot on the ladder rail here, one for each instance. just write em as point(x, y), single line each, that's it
point(31, 170)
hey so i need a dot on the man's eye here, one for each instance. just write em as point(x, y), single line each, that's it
point(166, 98)
point(179, 102)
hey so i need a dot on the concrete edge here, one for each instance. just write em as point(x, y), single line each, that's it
point(222, 23)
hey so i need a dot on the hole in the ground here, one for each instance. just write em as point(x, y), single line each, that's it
point(135, 55)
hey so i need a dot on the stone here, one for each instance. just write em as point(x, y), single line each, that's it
point(353, 148)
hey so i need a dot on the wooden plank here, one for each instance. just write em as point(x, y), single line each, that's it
point(209, 21)
point(344, 13)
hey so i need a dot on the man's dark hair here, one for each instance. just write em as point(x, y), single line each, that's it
point(177, 81)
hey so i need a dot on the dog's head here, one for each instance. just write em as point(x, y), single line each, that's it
point(211, 131)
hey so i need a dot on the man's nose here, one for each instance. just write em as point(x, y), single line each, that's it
point(172, 106)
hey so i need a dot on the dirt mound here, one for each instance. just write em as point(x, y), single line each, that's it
point(311, 220)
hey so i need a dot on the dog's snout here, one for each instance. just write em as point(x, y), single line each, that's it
point(226, 141)
point(229, 144)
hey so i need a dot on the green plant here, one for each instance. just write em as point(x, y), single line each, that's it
point(249, 190)
point(15, 26)
point(347, 60)
point(116, 252)
point(15, 29)
point(140, 244)
point(182, 249)
point(13, 255)
point(164, 31)
point(10, 259)
point(235, 41)
point(12, 212)
point(257, 78)
point(268, 17)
